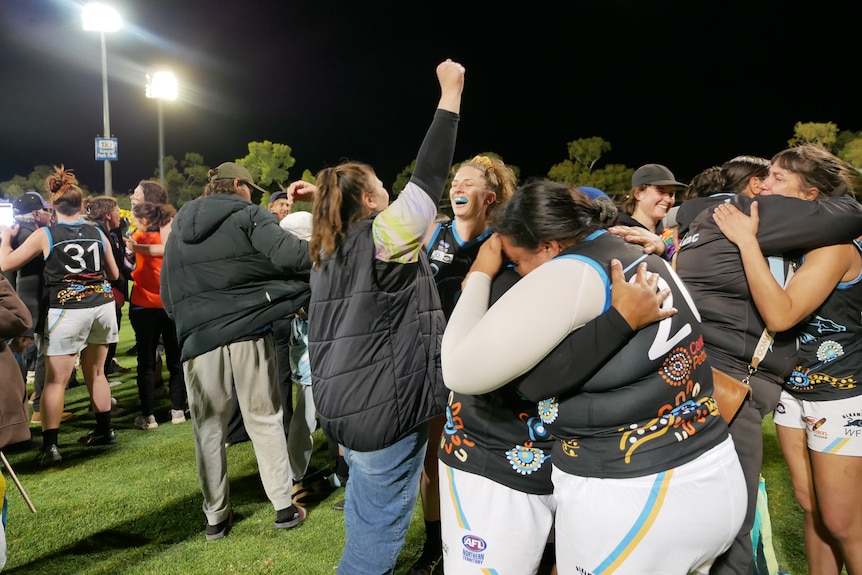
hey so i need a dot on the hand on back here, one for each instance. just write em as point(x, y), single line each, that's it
point(639, 302)
point(734, 224)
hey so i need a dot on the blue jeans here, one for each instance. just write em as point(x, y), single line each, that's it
point(380, 498)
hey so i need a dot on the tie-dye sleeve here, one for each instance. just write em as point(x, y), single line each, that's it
point(400, 229)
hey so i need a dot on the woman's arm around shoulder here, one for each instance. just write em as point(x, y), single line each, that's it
point(483, 349)
point(11, 260)
point(782, 307)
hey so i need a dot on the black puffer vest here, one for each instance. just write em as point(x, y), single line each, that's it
point(375, 355)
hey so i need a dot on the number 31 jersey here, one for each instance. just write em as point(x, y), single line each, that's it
point(75, 267)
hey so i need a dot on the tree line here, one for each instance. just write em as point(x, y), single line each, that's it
point(270, 164)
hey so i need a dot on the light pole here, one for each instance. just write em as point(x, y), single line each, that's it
point(101, 18)
point(162, 86)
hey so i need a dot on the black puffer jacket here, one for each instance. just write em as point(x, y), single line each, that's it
point(229, 271)
point(375, 355)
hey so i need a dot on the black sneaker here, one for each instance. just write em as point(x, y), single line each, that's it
point(50, 456)
point(214, 532)
point(114, 368)
point(289, 517)
point(339, 506)
point(427, 564)
point(96, 438)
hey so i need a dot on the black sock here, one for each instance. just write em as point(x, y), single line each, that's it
point(433, 538)
point(103, 422)
point(49, 437)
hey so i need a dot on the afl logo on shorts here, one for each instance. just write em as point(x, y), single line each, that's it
point(473, 543)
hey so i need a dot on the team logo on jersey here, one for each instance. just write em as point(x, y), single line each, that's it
point(474, 549)
point(815, 425)
point(441, 256)
point(852, 420)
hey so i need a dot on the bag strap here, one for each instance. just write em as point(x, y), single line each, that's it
point(765, 341)
point(759, 353)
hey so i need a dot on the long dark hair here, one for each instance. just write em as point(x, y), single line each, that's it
point(98, 207)
point(817, 168)
point(542, 210)
point(738, 171)
point(157, 214)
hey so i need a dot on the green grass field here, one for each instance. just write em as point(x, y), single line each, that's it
point(135, 508)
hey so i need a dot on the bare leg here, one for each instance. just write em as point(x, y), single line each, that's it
point(58, 369)
point(93, 368)
point(821, 549)
point(836, 481)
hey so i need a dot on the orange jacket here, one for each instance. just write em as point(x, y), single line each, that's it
point(147, 272)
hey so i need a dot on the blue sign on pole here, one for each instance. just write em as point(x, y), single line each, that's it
point(106, 149)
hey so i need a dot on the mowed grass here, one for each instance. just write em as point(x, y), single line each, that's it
point(135, 508)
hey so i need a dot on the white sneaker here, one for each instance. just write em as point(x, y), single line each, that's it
point(146, 422)
point(178, 416)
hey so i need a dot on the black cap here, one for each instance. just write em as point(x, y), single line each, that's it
point(654, 175)
point(29, 202)
point(280, 195)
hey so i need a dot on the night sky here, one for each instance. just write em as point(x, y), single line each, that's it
point(686, 84)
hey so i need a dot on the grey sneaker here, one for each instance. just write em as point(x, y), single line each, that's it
point(146, 422)
point(178, 416)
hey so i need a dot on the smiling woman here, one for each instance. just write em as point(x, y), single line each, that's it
point(651, 196)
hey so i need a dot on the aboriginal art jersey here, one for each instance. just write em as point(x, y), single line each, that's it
point(650, 408)
point(75, 267)
point(450, 258)
point(830, 347)
point(498, 435)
